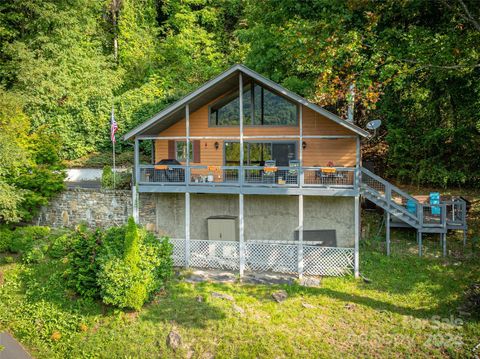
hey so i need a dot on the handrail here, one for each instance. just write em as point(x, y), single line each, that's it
point(386, 183)
point(388, 195)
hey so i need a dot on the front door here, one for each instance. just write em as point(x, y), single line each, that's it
point(282, 153)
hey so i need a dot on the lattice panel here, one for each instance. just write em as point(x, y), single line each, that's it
point(271, 257)
point(178, 252)
point(327, 261)
point(214, 254)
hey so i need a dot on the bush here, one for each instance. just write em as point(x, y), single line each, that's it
point(81, 274)
point(122, 179)
point(60, 245)
point(8, 260)
point(123, 265)
point(25, 239)
point(5, 239)
point(133, 265)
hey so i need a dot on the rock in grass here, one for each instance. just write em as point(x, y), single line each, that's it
point(199, 298)
point(238, 309)
point(349, 306)
point(174, 340)
point(308, 305)
point(222, 296)
point(310, 282)
point(280, 296)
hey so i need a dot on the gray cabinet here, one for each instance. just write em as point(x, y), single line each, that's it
point(222, 228)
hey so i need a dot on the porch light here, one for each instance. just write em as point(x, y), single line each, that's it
point(216, 145)
point(304, 145)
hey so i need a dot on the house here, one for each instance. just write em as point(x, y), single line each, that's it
point(266, 181)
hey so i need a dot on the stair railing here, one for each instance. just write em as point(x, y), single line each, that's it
point(390, 193)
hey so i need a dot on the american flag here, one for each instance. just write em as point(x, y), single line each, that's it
point(113, 127)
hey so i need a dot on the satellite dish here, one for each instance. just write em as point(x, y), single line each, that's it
point(373, 125)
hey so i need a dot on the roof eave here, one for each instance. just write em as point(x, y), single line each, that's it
point(183, 101)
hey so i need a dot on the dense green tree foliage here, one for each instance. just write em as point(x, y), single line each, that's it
point(30, 169)
point(415, 64)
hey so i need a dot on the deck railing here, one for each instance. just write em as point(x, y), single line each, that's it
point(195, 175)
point(446, 213)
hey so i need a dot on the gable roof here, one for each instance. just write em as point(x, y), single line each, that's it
point(214, 87)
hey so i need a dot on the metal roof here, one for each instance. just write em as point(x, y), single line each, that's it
point(216, 87)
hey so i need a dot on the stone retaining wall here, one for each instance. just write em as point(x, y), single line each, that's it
point(94, 207)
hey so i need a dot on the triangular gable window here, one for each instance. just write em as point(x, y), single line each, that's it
point(261, 107)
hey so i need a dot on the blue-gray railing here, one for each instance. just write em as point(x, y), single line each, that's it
point(288, 176)
point(421, 215)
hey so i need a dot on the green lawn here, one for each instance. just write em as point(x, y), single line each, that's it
point(408, 309)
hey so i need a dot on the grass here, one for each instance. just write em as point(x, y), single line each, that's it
point(408, 309)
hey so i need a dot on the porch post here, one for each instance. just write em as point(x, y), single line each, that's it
point(187, 145)
point(300, 150)
point(187, 181)
point(241, 234)
point(241, 176)
point(387, 228)
point(136, 177)
point(240, 98)
point(356, 249)
point(187, 229)
point(300, 236)
point(356, 254)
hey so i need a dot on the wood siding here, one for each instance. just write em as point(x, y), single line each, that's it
point(318, 152)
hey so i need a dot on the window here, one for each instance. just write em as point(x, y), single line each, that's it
point(274, 110)
point(261, 107)
point(181, 151)
point(226, 112)
point(256, 153)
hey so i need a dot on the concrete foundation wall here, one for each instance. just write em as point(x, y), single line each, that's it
point(266, 217)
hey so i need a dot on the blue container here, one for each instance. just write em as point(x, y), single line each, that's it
point(435, 199)
point(411, 206)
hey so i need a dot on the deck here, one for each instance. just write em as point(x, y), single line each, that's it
point(336, 181)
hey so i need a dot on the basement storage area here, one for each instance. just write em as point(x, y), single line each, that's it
point(271, 225)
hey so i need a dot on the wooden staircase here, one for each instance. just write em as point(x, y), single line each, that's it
point(423, 217)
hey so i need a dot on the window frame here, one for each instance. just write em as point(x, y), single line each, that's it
point(247, 160)
point(213, 122)
point(190, 148)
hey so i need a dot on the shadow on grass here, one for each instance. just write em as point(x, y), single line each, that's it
point(44, 282)
point(181, 306)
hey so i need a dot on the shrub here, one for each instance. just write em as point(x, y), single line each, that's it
point(122, 179)
point(5, 239)
point(8, 259)
point(24, 239)
point(81, 273)
point(60, 245)
point(133, 265)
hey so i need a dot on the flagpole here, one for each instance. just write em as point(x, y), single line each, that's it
point(113, 129)
point(114, 173)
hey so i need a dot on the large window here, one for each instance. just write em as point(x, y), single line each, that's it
point(256, 153)
point(261, 107)
point(226, 111)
